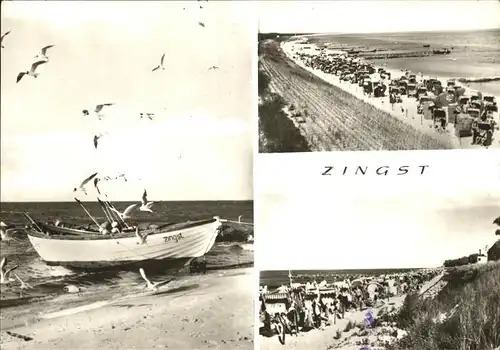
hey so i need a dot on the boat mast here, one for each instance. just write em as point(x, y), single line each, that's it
point(106, 211)
point(33, 222)
point(115, 215)
point(90, 216)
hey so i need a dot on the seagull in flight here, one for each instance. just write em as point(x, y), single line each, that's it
point(31, 71)
point(121, 176)
point(96, 181)
point(84, 182)
point(5, 273)
point(43, 53)
point(213, 68)
point(199, 3)
point(201, 24)
point(98, 109)
point(7, 233)
point(126, 212)
point(160, 66)
point(149, 284)
point(145, 205)
point(96, 138)
point(3, 36)
point(149, 115)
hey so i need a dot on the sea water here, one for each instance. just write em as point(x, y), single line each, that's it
point(474, 54)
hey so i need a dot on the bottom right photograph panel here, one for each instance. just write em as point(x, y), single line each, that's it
point(416, 269)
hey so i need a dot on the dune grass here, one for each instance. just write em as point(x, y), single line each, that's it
point(469, 308)
point(277, 133)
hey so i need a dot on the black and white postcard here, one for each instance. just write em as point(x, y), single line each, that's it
point(380, 267)
point(126, 182)
point(378, 75)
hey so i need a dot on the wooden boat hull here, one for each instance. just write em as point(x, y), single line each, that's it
point(174, 245)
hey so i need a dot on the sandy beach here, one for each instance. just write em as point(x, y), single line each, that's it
point(324, 339)
point(405, 112)
point(212, 311)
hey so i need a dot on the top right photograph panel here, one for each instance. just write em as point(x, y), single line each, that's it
point(376, 75)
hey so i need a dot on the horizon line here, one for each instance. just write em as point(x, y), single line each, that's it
point(383, 32)
point(352, 269)
point(114, 201)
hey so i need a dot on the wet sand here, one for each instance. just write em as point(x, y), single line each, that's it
point(213, 311)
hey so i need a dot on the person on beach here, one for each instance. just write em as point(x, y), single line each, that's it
point(290, 307)
point(338, 307)
point(308, 317)
point(316, 308)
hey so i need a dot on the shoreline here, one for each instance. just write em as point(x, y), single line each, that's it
point(195, 314)
point(405, 112)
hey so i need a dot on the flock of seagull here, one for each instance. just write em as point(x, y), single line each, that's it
point(43, 58)
point(8, 232)
point(145, 204)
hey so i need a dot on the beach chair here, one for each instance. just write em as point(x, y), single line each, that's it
point(439, 119)
point(482, 132)
point(463, 125)
point(426, 110)
point(452, 112)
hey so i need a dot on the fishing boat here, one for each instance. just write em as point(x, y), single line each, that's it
point(175, 245)
point(116, 241)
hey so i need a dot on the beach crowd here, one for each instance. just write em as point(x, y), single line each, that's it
point(442, 102)
point(310, 305)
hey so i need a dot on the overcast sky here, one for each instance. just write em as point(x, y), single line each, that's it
point(383, 227)
point(199, 147)
point(376, 16)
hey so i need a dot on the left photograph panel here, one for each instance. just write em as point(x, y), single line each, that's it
point(126, 175)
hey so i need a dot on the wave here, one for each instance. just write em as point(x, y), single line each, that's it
point(478, 80)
